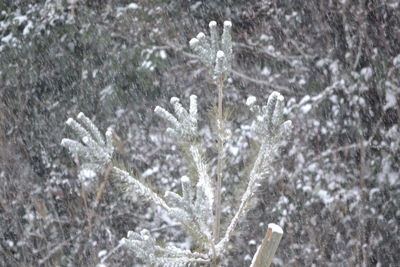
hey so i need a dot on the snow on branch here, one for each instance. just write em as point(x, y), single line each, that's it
point(94, 150)
point(271, 128)
point(194, 207)
point(146, 248)
point(96, 153)
point(268, 121)
point(135, 186)
point(184, 124)
point(204, 180)
point(193, 214)
point(216, 54)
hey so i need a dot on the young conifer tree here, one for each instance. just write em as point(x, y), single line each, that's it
point(198, 207)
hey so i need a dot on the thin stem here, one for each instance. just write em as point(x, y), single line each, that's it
point(220, 126)
point(214, 255)
point(243, 208)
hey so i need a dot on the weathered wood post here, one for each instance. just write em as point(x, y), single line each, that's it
point(270, 243)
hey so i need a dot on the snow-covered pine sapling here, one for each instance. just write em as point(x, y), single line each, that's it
point(198, 207)
point(216, 54)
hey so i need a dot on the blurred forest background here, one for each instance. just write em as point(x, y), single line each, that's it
point(335, 189)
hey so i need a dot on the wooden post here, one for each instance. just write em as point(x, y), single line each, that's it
point(270, 243)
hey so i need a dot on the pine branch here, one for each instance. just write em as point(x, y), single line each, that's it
point(216, 54)
point(95, 151)
point(204, 180)
point(254, 178)
point(184, 124)
point(195, 213)
point(134, 185)
point(270, 128)
point(146, 248)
